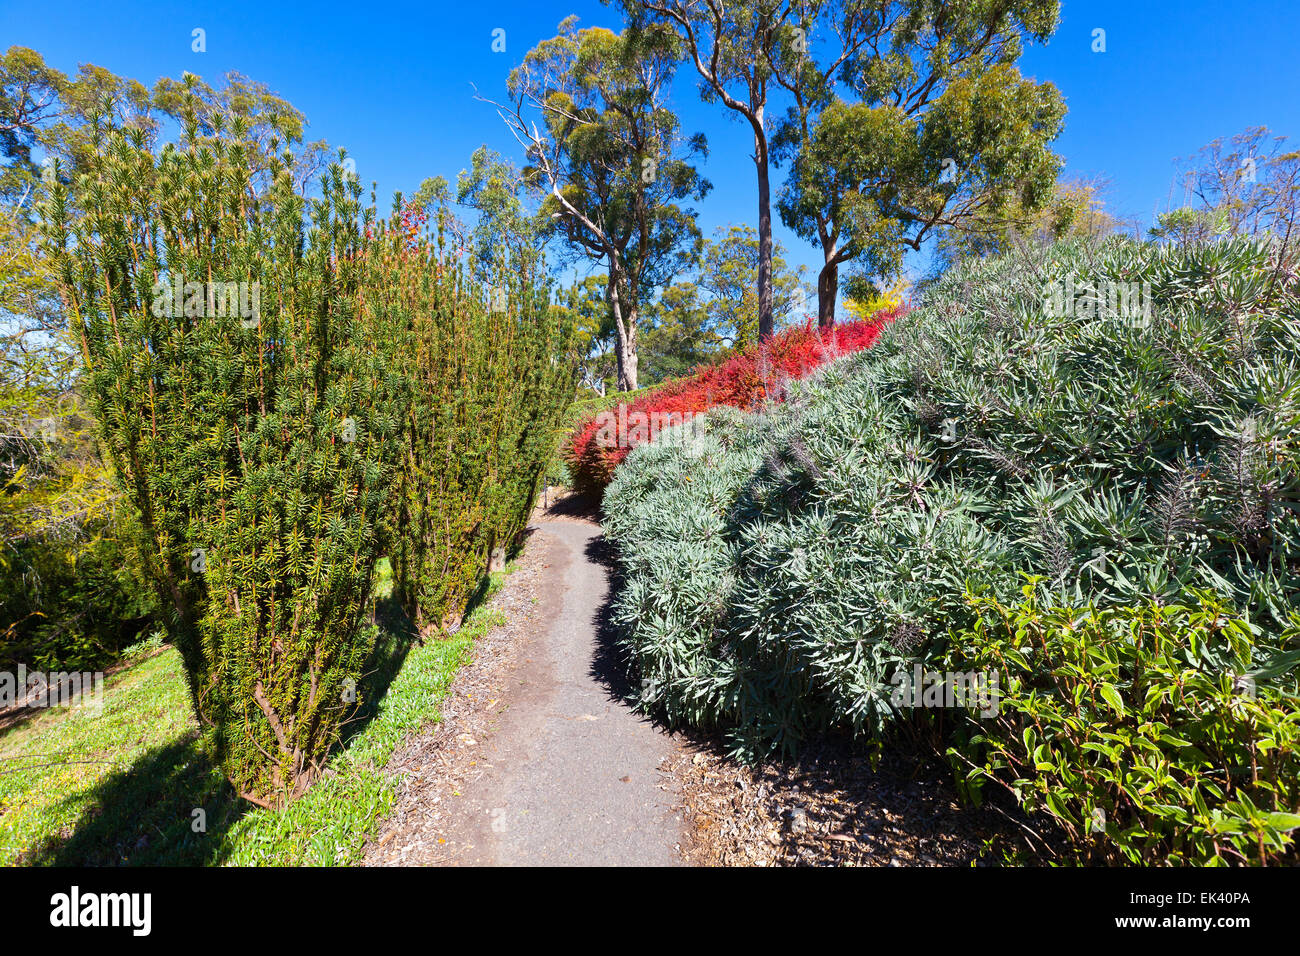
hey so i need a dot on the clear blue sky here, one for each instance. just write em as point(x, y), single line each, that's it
point(392, 81)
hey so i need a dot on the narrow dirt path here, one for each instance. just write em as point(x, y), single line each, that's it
point(538, 759)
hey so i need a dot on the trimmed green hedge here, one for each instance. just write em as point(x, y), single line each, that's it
point(288, 390)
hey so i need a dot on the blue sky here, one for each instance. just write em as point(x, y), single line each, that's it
point(392, 81)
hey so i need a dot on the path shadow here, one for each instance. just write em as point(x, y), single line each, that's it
point(584, 506)
point(611, 666)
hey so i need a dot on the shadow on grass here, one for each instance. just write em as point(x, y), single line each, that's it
point(397, 635)
point(145, 814)
point(482, 591)
point(486, 586)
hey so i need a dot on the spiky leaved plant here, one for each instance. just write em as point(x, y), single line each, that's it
point(251, 417)
point(492, 371)
point(1121, 453)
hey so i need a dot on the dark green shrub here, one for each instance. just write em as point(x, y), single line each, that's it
point(253, 425)
point(1147, 734)
point(71, 595)
point(492, 371)
point(74, 603)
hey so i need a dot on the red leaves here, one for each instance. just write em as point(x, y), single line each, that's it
point(414, 219)
point(745, 381)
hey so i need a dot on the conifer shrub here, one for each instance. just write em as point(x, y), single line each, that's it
point(492, 369)
point(745, 381)
point(289, 390)
point(1124, 449)
point(253, 419)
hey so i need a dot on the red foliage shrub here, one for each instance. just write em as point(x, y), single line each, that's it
point(745, 381)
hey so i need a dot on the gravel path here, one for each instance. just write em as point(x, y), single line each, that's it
point(538, 759)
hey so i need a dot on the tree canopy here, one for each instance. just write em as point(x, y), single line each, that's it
point(910, 118)
point(609, 161)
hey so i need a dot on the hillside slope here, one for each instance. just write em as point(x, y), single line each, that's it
point(1129, 446)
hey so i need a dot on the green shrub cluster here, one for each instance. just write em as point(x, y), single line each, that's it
point(1145, 733)
point(781, 568)
point(71, 597)
point(228, 429)
point(492, 368)
point(74, 603)
point(251, 358)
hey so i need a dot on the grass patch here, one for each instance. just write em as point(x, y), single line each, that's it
point(123, 787)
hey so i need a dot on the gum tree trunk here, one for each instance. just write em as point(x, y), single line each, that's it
point(766, 322)
point(828, 287)
point(625, 340)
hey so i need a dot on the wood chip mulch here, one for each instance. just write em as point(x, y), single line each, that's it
point(829, 807)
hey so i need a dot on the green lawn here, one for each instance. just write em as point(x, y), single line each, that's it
point(123, 787)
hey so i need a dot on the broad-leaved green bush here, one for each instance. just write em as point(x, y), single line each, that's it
point(1146, 733)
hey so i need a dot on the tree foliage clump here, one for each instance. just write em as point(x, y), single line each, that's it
point(609, 162)
point(912, 120)
point(1118, 420)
